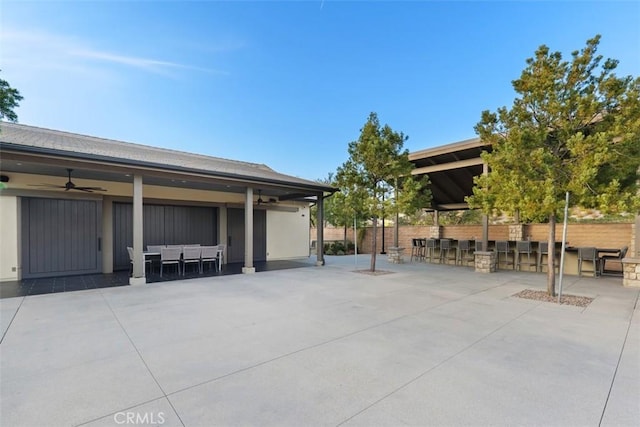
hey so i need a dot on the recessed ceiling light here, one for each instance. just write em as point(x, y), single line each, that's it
point(18, 164)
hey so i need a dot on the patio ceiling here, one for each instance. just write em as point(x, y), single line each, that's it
point(451, 169)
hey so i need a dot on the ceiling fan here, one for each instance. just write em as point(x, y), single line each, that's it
point(262, 202)
point(70, 185)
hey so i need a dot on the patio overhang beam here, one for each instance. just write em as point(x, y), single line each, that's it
point(27, 153)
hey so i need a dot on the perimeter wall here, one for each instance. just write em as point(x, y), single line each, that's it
point(614, 235)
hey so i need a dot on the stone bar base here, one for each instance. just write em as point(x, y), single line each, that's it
point(631, 272)
point(248, 270)
point(395, 255)
point(485, 262)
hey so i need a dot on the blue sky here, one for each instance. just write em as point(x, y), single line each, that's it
point(287, 83)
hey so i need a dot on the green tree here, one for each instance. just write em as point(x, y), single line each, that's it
point(376, 179)
point(574, 127)
point(9, 99)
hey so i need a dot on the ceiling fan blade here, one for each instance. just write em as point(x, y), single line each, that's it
point(47, 185)
point(90, 188)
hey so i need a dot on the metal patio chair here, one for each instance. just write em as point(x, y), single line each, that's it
point(191, 255)
point(170, 256)
point(210, 255)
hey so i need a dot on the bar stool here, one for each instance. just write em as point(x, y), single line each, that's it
point(502, 247)
point(588, 254)
point(543, 250)
point(430, 245)
point(523, 247)
point(445, 251)
point(465, 254)
point(415, 250)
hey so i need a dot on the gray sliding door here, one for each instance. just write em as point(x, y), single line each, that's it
point(235, 238)
point(163, 225)
point(60, 237)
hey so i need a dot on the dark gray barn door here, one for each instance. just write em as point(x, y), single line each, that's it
point(162, 225)
point(60, 237)
point(235, 238)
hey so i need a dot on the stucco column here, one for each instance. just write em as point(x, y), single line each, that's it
point(223, 231)
point(320, 230)
point(248, 233)
point(138, 257)
point(107, 235)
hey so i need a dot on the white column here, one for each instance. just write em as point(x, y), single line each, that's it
point(138, 258)
point(320, 230)
point(248, 233)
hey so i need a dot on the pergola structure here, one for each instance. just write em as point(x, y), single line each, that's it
point(451, 169)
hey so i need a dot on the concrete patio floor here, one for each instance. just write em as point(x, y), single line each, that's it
point(425, 345)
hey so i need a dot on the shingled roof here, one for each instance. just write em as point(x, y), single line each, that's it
point(30, 139)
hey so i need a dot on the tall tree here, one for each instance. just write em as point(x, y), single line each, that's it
point(378, 170)
point(574, 127)
point(9, 100)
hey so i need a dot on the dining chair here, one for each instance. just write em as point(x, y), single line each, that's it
point(221, 251)
point(588, 254)
point(191, 255)
point(147, 262)
point(210, 254)
point(543, 251)
point(524, 247)
point(613, 258)
point(170, 256)
point(155, 248)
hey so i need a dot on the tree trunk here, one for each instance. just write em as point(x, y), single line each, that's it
point(346, 249)
point(374, 244)
point(551, 259)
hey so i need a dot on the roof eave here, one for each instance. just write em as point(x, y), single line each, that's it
point(116, 161)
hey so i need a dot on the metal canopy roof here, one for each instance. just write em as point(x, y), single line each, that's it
point(451, 169)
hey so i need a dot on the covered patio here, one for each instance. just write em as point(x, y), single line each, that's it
point(72, 204)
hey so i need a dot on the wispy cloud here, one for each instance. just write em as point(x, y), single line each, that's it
point(152, 65)
point(46, 50)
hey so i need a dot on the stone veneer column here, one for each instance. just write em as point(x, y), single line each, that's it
point(485, 261)
point(631, 272)
point(435, 231)
point(516, 232)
